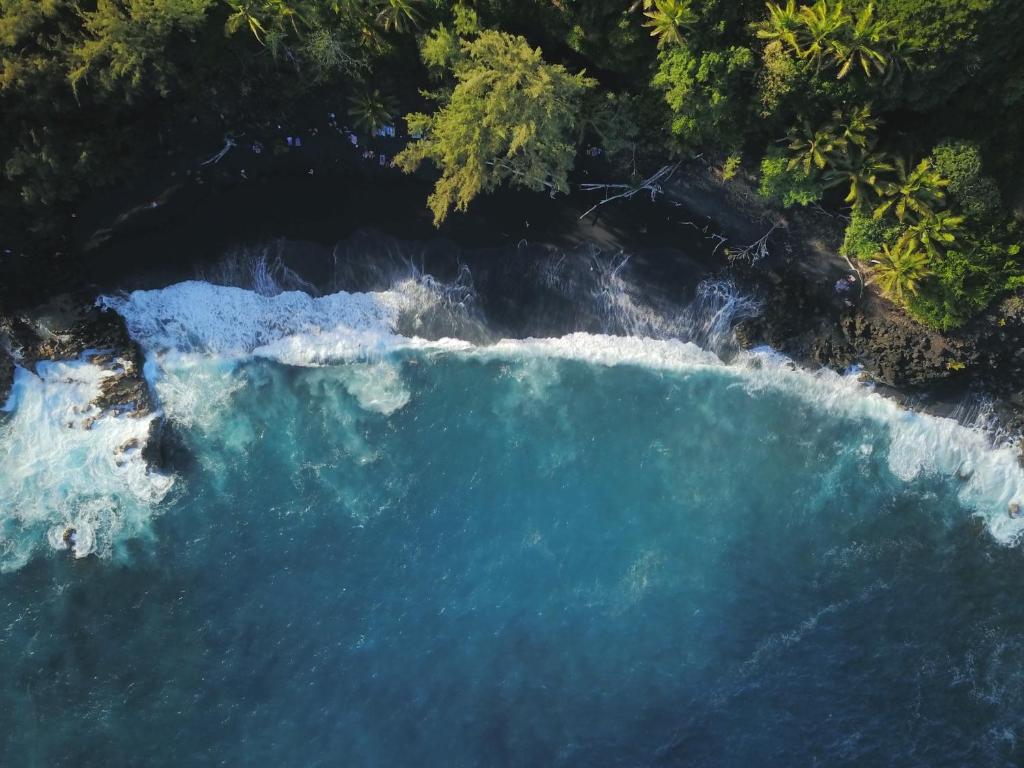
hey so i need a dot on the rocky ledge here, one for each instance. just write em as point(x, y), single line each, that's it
point(68, 334)
point(920, 367)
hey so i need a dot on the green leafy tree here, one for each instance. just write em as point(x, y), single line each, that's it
point(975, 194)
point(825, 35)
point(123, 44)
point(709, 93)
point(916, 192)
point(865, 234)
point(511, 117)
point(785, 185)
point(246, 13)
point(898, 270)
point(668, 19)
point(967, 277)
point(329, 51)
point(270, 20)
point(858, 128)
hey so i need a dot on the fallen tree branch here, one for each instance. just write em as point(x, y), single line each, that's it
point(229, 142)
point(652, 185)
point(720, 240)
point(756, 251)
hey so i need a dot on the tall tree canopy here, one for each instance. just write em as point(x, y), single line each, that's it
point(510, 116)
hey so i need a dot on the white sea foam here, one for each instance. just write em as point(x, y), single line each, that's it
point(200, 317)
point(376, 386)
point(66, 464)
point(297, 329)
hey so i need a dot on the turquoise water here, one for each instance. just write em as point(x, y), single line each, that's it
point(584, 551)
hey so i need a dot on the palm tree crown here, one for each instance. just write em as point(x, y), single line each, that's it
point(915, 193)
point(899, 270)
point(398, 15)
point(370, 110)
point(936, 233)
point(865, 172)
point(863, 43)
point(782, 24)
point(814, 149)
point(819, 28)
point(667, 19)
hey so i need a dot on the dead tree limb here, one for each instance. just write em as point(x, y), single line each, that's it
point(229, 142)
point(651, 184)
point(756, 251)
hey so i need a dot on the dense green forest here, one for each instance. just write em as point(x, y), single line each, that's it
point(902, 115)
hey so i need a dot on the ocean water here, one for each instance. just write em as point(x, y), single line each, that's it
point(371, 547)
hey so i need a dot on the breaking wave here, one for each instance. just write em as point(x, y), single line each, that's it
point(66, 465)
point(295, 328)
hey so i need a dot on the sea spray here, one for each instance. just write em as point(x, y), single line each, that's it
point(66, 464)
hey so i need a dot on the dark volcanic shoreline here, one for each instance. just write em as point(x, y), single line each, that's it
point(673, 243)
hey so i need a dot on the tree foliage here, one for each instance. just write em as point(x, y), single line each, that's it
point(916, 192)
point(827, 98)
point(899, 270)
point(709, 93)
point(510, 117)
point(787, 184)
point(124, 41)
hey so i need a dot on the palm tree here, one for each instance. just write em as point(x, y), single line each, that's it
point(898, 62)
point(246, 14)
point(398, 15)
point(864, 171)
point(914, 193)
point(370, 110)
point(782, 24)
point(668, 18)
point(267, 19)
point(858, 128)
point(813, 149)
point(864, 44)
point(899, 270)
point(821, 26)
point(935, 233)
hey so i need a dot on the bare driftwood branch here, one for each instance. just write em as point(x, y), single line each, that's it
point(756, 251)
point(229, 142)
point(720, 240)
point(651, 184)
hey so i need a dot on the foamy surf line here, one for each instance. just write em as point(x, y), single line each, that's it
point(296, 329)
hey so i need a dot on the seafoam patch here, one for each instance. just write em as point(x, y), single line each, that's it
point(66, 464)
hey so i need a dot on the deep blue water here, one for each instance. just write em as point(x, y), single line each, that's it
point(449, 559)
